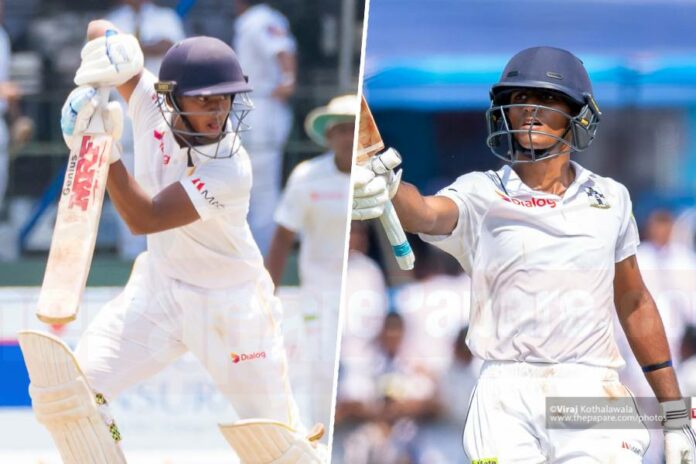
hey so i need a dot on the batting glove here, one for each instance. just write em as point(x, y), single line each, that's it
point(680, 440)
point(374, 184)
point(77, 112)
point(110, 60)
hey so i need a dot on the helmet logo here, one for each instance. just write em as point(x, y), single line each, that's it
point(554, 75)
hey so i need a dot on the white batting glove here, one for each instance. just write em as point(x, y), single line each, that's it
point(110, 60)
point(680, 440)
point(77, 112)
point(374, 184)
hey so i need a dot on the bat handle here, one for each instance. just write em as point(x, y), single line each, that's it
point(96, 124)
point(395, 233)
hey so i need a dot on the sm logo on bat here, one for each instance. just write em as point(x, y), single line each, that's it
point(81, 173)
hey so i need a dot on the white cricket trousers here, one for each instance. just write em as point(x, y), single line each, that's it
point(235, 333)
point(507, 417)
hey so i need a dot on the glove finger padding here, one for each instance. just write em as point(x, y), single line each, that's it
point(77, 111)
point(113, 120)
point(361, 175)
point(372, 188)
point(110, 60)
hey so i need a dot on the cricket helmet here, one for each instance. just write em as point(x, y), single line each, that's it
point(543, 68)
point(198, 67)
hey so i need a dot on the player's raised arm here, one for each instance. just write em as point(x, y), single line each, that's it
point(376, 183)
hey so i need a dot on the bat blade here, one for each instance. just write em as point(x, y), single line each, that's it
point(75, 232)
point(370, 144)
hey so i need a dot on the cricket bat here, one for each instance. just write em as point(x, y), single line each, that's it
point(77, 221)
point(369, 144)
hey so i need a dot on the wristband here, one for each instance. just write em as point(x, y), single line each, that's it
point(654, 367)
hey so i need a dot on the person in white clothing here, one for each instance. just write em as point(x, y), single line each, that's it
point(314, 206)
point(267, 52)
point(550, 248)
point(201, 286)
point(157, 29)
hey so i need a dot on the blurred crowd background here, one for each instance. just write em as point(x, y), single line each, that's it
point(406, 375)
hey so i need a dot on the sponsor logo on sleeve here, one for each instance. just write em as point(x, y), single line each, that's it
point(237, 358)
point(530, 203)
point(485, 461)
point(159, 135)
point(206, 194)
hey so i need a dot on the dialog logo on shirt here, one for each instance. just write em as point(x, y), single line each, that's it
point(237, 358)
point(200, 186)
point(533, 203)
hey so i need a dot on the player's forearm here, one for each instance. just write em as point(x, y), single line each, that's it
point(421, 214)
point(645, 332)
point(132, 203)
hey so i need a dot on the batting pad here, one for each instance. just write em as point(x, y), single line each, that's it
point(260, 441)
point(64, 403)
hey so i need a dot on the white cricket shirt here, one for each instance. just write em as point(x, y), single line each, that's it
point(260, 34)
point(315, 206)
point(542, 266)
point(218, 250)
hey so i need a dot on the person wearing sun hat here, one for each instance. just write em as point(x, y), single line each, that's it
point(314, 208)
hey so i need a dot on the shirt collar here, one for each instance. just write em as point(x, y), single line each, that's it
point(513, 184)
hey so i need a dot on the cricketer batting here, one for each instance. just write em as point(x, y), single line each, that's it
point(201, 285)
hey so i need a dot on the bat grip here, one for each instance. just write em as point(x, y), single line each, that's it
point(96, 124)
point(397, 238)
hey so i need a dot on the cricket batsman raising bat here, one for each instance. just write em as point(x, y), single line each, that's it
point(201, 285)
point(369, 145)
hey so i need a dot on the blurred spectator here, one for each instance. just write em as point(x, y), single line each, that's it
point(314, 206)
point(687, 367)
point(390, 394)
point(669, 271)
point(437, 302)
point(458, 382)
point(7, 92)
point(157, 28)
point(365, 294)
point(266, 50)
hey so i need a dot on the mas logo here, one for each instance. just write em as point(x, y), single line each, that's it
point(200, 186)
point(531, 203)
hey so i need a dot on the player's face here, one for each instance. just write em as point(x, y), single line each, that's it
point(207, 114)
point(532, 118)
point(340, 140)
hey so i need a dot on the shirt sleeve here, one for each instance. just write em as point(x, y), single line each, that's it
point(274, 36)
point(142, 105)
point(459, 243)
point(221, 186)
point(292, 208)
point(628, 239)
